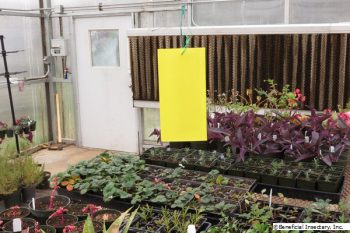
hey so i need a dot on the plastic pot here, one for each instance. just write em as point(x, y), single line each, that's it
point(56, 221)
point(26, 222)
point(76, 210)
point(45, 228)
point(28, 193)
point(106, 215)
point(2, 134)
point(42, 205)
point(269, 179)
point(8, 214)
point(331, 186)
point(302, 183)
point(32, 126)
point(98, 226)
point(253, 174)
point(26, 129)
point(45, 184)
point(12, 199)
point(10, 133)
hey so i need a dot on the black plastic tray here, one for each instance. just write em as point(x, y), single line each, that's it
point(304, 194)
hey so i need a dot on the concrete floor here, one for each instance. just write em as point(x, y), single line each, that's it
point(58, 161)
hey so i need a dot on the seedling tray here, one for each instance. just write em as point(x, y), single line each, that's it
point(297, 193)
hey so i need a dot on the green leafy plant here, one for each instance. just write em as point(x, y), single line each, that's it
point(10, 176)
point(32, 174)
point(115, 227)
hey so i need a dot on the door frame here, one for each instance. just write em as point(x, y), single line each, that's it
point(75, 74)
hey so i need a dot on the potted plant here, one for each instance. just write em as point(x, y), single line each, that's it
point(42, 228)
point(3, 129)
point(14, 212)
point(307, 180)
point(32, 175)
point(45, 183)
point(79, 227)
point(10, 182)
point(116, 225)
point(10, 131)
point(327, 182)
point(288, 178)
point(77, 210)
point(60, 220)
point(47, 205)
point(270, 176)
point(26, 224)
point(106, 215)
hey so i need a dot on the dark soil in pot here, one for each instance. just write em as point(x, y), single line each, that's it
point(12, 199)
point(28, 193)
point(77, 210)
point(107, 215)
point(45, 228)
point(10, 214)
point(26, 223)
point(98, 226)
point(57, 222)
point(42, 205)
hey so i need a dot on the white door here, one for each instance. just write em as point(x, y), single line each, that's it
point(107, 117)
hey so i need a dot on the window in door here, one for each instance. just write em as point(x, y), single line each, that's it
point(104, 48)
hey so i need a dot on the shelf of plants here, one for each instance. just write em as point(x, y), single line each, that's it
point(127, 180)
point(313, 177)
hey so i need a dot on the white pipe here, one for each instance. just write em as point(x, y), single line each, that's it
point(245, 30)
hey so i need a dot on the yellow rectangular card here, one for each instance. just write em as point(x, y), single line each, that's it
point(182, 94)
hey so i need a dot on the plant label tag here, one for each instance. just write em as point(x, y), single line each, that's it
point(33, 203)
point(191, 228)
point(332, 149)
point(259, 136)
point(307, 139)
point(270, 199)
point(274, 137)
point(17, 225)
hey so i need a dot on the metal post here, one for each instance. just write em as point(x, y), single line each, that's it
point(7, 76)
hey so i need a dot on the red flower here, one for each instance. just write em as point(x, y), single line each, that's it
point(297, 91)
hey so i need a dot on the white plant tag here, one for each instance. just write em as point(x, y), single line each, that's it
point(270, 200)
point(219, 125)
point(307, 139)
point(191, 228)
point(291, 146)
point(33, 203)
point(17, 225)
point(259, 136)
point(274, 137)
point(227, 138)
point(332, 149)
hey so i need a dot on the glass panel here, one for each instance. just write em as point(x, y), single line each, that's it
point(239, 12)
point(67, 114)
point(29, 102)
point(150, 122)
point(319, 11)
point(104, 47)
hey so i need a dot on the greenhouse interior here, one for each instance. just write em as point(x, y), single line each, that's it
point(218, 116)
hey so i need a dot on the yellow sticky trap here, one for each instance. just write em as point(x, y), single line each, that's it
point(182, 94)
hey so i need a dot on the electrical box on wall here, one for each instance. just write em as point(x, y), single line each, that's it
point(59, 47)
